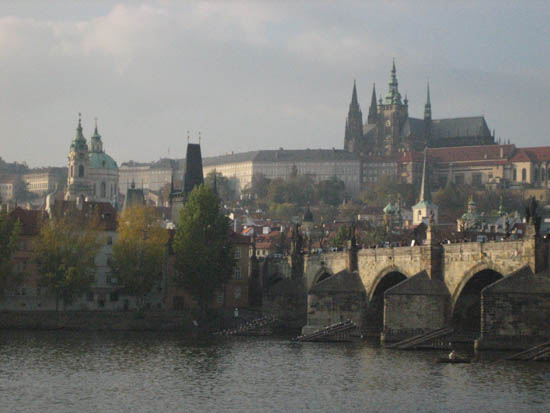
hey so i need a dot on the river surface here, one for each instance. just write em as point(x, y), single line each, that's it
point(48, 371)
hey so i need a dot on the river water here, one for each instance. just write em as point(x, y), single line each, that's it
point(48, 371)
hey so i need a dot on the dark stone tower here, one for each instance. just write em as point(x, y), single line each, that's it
point(193, 168)
point(373, 109)
point(354, 124)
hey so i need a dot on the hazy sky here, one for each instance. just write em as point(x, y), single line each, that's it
point(258, 75)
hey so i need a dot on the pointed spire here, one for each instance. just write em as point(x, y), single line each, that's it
point(354, 123)
point(428, 105)
point(373, 109)
point(425, 194)
point(79, 134)
point(393, 97)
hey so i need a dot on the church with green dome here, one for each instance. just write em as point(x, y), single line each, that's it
point(92, 173)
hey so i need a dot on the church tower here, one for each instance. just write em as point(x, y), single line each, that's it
point(425, 210)
point(78, 186)
point(96, 143)
point(354, 124)
point(392, 114)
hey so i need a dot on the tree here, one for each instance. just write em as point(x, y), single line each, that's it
point(140, 251)
point(9, 234)
point(21, 191)
point(65, 249)
point(258, 187)
point(204, 253)
point(224, 188)
point(330, 191)
point(341, 236)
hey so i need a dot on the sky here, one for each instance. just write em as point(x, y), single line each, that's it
point(258, 75)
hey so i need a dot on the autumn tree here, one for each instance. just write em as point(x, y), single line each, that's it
point(9, 234)
point(204, 253)
point(65, 249)
point(139, 252)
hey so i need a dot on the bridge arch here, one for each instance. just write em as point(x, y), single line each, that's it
point(321, 275)
point(380, 276)
point(466, 300)
point(374, 316)
point(482, 266)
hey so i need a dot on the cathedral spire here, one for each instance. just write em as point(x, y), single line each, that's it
point(393, 97)
point(428, 105)
point(354, 123)
point(373, 109)
point(425, 194)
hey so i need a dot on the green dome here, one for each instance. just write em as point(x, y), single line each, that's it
point(100, 160)
point(389, 209)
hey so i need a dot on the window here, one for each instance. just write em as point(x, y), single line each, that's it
point(103, 190)
point(109, 240)
point(515, 175)
point(238, 292)
point(237, 253)
point(72, 171)
point(524, 174)
point(237, 274)
point(476, 179)
point(219, 298)
point(81, 171)
point(113, 297)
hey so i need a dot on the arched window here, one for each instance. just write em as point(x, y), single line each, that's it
point(542, 174)
point(81, 171)
point(536, 174)
point(524, 174)
point(72, 171)
point(515, 175)
point(103, 190)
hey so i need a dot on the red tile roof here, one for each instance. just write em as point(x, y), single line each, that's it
point(30, 220)
point(481, 153)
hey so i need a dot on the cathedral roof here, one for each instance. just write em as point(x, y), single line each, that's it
point(460, 127)
point(100, 160)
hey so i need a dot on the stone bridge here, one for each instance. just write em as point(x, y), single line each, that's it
point(400, 292)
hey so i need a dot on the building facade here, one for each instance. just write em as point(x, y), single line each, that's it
point(319, 164)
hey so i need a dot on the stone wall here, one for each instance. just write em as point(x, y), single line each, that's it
point(94, 320)
point(515, 311)
point(415, 306)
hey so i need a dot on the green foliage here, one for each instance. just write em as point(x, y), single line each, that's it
point(372, 235)
point(283, 211)
point(330, 191)
point(65, 252)
point(224, 188)
point(297, 190)
point(341, 237)
point(204, 253)
point(21, 192)
point(349, 211)
point(389, 189)
point(9, 235)
point(258, 189)
point(140, 250)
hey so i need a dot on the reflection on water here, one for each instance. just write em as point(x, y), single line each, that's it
point(108, 371)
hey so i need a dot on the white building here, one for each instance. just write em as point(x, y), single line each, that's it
point(320, 164)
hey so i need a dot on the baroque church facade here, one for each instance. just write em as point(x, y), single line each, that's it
point(391, 142)
point(92, 173)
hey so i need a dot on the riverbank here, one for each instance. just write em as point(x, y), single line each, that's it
point(96, 320)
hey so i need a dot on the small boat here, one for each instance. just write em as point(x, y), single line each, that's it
point(453, 361)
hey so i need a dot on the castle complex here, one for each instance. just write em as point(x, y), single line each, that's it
point(459, 150)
